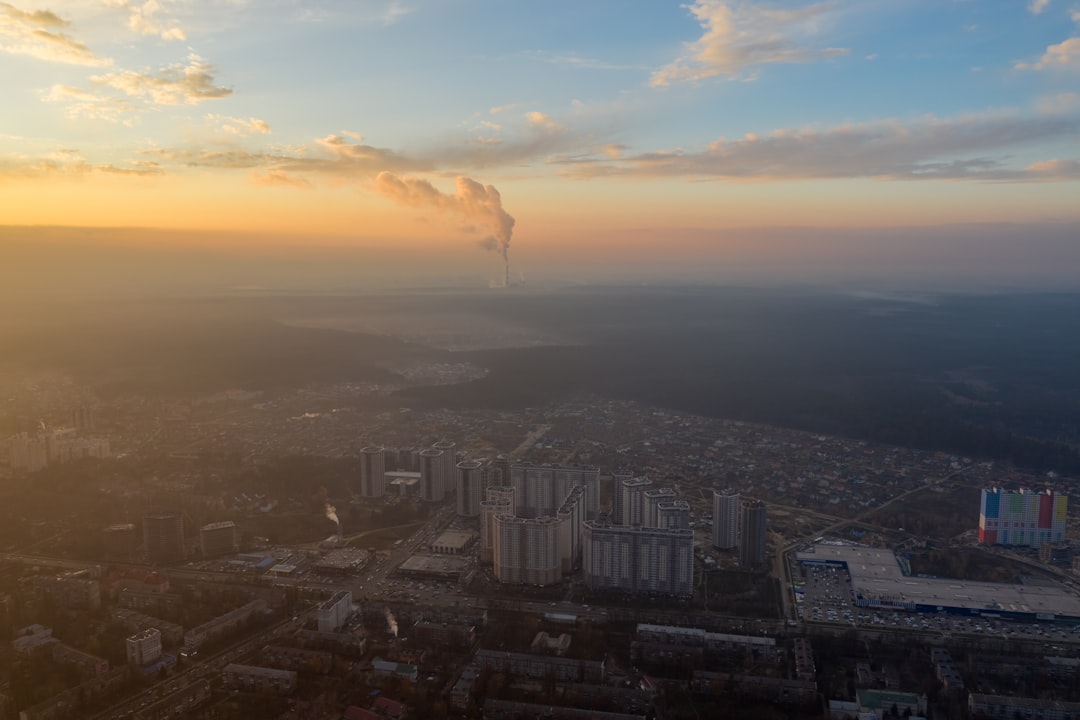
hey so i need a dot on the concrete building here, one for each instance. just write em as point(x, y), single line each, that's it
point(628, 501)
point(220, 538)
point(752, 533)
point(432, 483)
point(726, 505)
point(88, 665)
point(27, 452)
point(673, 515)
point(136, 622)
point(539, 490)
point(541, 666)
point(449, 465)
point(470, 478)
point(1000, 707)
point(452, 542)
point(72, 590)
point(571, 517)
point(403, 482)
point(144, 647)
point(651, 499)
point(251, 678)
point(163, 537)
point(878, 581)
point(527, 550)
point(1024, 518)
point(334, 613)
point(880, 702)
point(638, 560)
point(223, 625)
point(498, 500)
point(32, 638)
point(388, 668)
point(372, 472)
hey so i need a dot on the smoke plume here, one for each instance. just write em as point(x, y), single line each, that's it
point(331, 513)
point(471, 200)
point(391, 622)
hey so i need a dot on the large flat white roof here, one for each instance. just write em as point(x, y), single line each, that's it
point(876, 573)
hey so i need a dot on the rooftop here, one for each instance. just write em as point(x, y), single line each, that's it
point(876, 573)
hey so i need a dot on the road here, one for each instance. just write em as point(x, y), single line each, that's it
point(147, 702)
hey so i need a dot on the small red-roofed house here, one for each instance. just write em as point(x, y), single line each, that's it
point(358, 713)
point(388, 708)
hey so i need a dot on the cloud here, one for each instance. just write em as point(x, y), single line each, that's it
point(240, 126)
point(37, 34)
point(174, 85)
point(277, 177)
point(69, 162)
point(1035, 7)
point(345, 157)
point(541, 120)
point(355, 14)
point(394, 12)
point(1058, 104)
point(740, 36)
point(579, 62)
point(85, 105)
point(1064, 55)
point(143, 19)
point(966, 147)
point(35, 18)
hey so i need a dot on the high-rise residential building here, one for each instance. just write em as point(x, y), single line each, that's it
point(372, 471)
point(751, 533)
point(638, 559)
point(432, 484)
point(541, 489)
point(82, 419)
point(673, 515)
point(27, 452)
point(144, 647)
point(220, 538)
point(500, 471)
point(650, 505)
point(628, 501)
point(163, 537)
point(725, 518)
point(449, 465)
point(527, 550)
point(498, 500)
point(571, 518)
point(470, 478)
point(334, 612)
point(557, 499)
point(1008, 517)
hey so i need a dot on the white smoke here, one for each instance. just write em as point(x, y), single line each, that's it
point(471, 200)
point(331, 513)
point(391, 622)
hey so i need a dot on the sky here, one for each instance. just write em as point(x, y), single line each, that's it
point(930, 138)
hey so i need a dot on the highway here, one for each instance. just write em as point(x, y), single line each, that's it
point(150, 702)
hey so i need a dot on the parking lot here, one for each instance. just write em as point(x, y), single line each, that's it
point(824, 594)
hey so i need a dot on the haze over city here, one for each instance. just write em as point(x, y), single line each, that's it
point(921, 143)
point(478, 360)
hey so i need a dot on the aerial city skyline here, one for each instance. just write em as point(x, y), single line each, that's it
point(806, 140)
point(460, 359)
